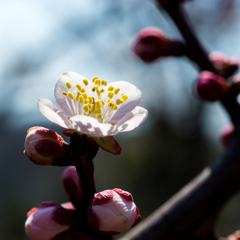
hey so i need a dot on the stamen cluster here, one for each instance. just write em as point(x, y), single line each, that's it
point(93, 105)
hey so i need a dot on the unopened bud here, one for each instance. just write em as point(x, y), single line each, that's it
point(72, 184)
point(48, 221)
point(226, 135)
point(113, 211)
point(235, 85)
point(232, 66)
point(210, 87)
point(42, 146)
point(234, 236)
point(152, 43)
point(226, 66)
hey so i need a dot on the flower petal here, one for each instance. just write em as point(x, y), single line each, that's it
point(61, 87)
point(134, 99)
point(92, 126)
point(108, 144)
point(132, 119)
point(52, 113)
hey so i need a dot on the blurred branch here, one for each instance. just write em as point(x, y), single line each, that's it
point(196, 52)
point(192, 213)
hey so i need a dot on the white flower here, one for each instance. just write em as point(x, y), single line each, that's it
point(94, 107)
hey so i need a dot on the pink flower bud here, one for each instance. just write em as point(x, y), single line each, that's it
point(72, 184)
point(234, 236)
point(42, 145)
point(48, 221)
point(113, 211)
point(210, 87)
point(218, 59)
point(232, 66)
point(235, 85)
point(226, 135)
point(226, 66)
point(152, 43)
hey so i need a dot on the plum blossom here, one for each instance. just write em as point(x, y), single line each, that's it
point(95, 107)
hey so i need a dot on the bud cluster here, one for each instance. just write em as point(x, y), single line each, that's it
point(111, 212)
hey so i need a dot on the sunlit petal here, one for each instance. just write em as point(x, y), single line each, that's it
point(92, 126)
point(52, 113)
point(132, 119)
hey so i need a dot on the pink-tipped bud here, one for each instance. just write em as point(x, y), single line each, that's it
point(232, 66)
point(152, 43)
point(42, 146)
point(113, 211)
point(72, 184)
point(226, 135)
point(234, 236)
point(210, 87)
point(235, 85)
point(226, 66)
point(48, 221)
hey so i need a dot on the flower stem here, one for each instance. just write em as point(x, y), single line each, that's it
point(80, 150)
point(83, 152)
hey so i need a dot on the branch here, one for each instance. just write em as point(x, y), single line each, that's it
point(191, 214)
point(197, 53)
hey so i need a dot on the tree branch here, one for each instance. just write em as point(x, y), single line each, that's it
point(191, 214)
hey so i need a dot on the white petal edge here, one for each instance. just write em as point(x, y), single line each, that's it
point(52, 113)
point(91, 126)
point(60, 87)
point(134, 99)
point(132, 119)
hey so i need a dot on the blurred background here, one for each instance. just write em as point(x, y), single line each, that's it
point(42, 39)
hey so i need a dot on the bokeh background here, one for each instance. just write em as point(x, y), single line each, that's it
point(42, 39)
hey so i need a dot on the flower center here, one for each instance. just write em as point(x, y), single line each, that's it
point(81, 103)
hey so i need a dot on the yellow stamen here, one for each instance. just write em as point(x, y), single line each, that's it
point(110, 88)
point(99, 117)
point(77, 98)
point(90, 100)
point(78, 87)
point(124, 97)
point(70, 95)
point(86, 101)
point(119, 101)
point(81, 99)
point(85, 95)
point(82, 90)
point(69, 85)
point(97, 110)
point(99, 103)
point(110, 95)
point(102, 90)
point(110, 104)
point(97, 83)
point(85, 81)
point(93, 89)
point(116, 90)
point(94, 79)
point(114, 107)
point(64, 93)
point(85, 107)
